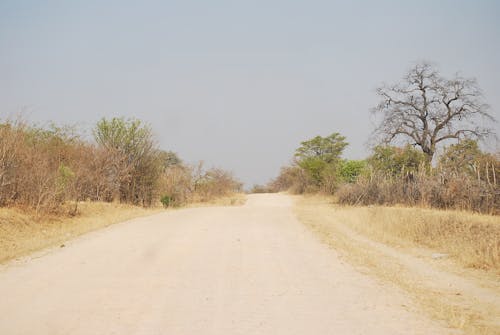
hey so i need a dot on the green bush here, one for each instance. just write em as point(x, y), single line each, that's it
point(350, 170)
point(167, 201)
point(395, 161)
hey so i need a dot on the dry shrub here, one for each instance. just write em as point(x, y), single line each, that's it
point(38, 166)
point(55, 165)
point(214, 183)
point(176, 183)
point(12, 136)
point(43, 168)
point(294, 180)
point(182, 184)
point(136, 161)
point(47, 169)
point(429, 190)
point(260, 189)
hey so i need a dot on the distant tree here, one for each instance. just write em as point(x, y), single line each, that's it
point(395, 161)
point(467, 158)
point(328, 149)
point(319, 157)
point(426, 109)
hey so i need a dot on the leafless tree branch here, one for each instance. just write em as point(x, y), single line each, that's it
point(427, 108)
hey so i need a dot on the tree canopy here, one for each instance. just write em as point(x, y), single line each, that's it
point(426, 109)
point(320, 155)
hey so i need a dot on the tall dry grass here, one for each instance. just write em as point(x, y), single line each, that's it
point(473, 240)
point(383, 241)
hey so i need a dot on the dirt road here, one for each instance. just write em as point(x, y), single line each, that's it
point(217, 270)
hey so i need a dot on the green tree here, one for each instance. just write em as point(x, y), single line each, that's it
point(320, 156)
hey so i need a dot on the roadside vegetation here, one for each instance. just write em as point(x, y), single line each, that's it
point(463, 178)
point(423, 210)
point(447, 261)
point(46, 169)
point(471, 240)
point(55, 183)
point(425, 151)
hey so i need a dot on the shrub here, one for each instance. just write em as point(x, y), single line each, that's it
point(429, 190)
point(45, 168)
point(136, 159)
point(396, 161)
point(167, 201)
point(259, 189)
point(350, 170)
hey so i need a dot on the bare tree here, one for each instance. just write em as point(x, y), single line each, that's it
point(426, 109)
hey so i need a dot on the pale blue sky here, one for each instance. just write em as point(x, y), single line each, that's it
point(237, 84)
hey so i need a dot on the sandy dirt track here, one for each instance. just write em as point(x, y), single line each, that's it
point(216, 270)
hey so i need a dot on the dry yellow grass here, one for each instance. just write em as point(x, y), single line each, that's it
point(22, 233)
point(471, 239)
point(383, 241)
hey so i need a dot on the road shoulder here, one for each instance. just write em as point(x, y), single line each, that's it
point(464, 299)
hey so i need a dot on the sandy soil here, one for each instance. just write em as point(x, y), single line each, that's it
point(218, 270)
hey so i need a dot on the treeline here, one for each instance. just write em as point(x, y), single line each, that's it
point(426, 111)
point(464, 176)
point(49, 168)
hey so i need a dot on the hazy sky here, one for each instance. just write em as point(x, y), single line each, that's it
point(238, 84)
